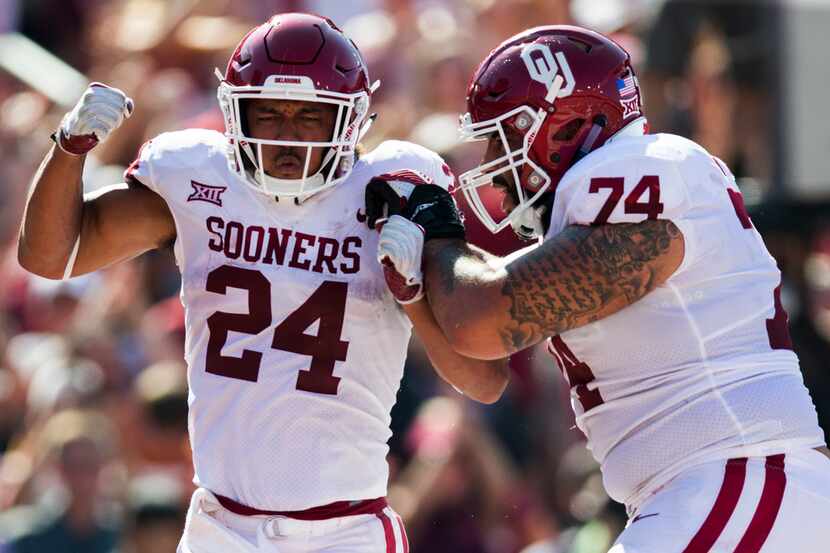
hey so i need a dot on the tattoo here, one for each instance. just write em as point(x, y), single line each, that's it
point(583, 274)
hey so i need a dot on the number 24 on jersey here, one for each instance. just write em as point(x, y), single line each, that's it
point(327, 304)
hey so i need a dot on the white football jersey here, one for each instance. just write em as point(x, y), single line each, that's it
point(702, 367)
point(294, 345)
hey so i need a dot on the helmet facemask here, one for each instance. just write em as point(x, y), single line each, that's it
point(532, 185)
point(527, 181)
point(245, 153)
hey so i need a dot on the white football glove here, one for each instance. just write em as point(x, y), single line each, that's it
point(399, 251)
point(100, 111)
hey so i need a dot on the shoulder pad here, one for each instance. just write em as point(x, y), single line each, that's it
point(400, 160)
point(174, 151)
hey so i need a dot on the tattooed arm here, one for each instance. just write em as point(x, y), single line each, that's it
point(490, 308)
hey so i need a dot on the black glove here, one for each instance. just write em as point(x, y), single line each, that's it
point(434, 209)
point(428, 205)
point(379, 194)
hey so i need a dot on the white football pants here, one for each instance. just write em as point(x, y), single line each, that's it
point(775, 504)
point(210, 528)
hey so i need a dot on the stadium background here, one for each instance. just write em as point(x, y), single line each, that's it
point(92, 385)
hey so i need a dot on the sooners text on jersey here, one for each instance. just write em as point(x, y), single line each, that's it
point(295, 348)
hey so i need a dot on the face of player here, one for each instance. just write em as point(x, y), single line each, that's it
point(505, 181)
point(292, 120)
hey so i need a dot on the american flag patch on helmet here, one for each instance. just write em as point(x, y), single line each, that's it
point(627, 86)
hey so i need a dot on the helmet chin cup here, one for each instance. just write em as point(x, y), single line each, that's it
point(529, 225)
point(273, 186)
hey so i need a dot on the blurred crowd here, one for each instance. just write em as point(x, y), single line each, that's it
point(94, 455)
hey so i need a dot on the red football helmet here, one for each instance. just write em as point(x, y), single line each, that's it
point(296, 56)
point(561, 91)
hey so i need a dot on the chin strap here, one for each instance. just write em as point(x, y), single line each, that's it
point(533, 223)
point(530, 224)
point(600, 121)
point(366, 126)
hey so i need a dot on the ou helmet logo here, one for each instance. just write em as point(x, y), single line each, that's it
point(544, 66)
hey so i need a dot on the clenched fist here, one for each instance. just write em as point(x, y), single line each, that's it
point(100, 111)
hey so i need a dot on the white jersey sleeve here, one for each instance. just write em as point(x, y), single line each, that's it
point(168, 156)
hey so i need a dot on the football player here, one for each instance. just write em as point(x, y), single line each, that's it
point(655, 293)
point(295, 345)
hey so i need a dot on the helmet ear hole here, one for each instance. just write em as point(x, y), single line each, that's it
point(567, 132)
point(555, 157)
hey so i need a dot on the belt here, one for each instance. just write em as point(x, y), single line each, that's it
point(323, 512)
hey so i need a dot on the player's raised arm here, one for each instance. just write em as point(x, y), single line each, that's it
point(64, 234)
point(490, 309)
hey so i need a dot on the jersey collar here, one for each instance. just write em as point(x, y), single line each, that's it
point(638, 127)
